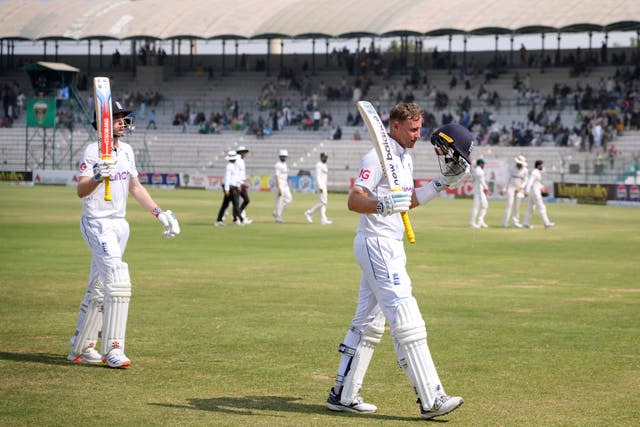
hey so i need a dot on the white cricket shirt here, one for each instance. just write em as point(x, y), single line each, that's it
point(282, 174)
point(242, 171)
point(479, 181)
point(321, 175)
point(371, 178)
point(94, 205)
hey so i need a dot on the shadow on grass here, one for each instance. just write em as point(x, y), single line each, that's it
point(46, 358)
point(248, 405)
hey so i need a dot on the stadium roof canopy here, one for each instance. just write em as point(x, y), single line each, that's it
point(264, 19)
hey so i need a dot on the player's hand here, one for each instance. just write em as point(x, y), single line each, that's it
point(453, 177)
point(446, 181)
point(395, 202)
point(103, 169)
point(170, 224)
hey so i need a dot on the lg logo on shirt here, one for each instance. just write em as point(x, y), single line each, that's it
point(364, 174)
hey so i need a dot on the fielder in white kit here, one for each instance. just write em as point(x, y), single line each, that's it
point(480, 203)
point(385, 287)
point(283, 192)
point(515, 192)
point(535, 189)
point(322, 172)
point(105, 305)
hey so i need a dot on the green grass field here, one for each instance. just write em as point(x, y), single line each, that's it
point(240, 326)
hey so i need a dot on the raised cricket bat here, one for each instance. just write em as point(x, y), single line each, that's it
point(104, 124)
point(380, 141)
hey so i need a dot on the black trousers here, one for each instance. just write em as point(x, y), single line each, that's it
point(244, 195)
point(230, 197)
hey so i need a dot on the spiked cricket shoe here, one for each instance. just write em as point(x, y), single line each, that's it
point(89, 355)
point(442, 406)
point(358, 405)
point(116, 359)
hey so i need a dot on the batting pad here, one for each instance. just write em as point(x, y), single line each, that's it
point(89, 319)
point(116, 308)
point(411, 334)
point(361, 357)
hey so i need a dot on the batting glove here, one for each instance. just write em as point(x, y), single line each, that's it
point(392, 203)
point(104, 169)
point(169, 222)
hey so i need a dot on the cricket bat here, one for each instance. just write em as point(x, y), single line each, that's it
point(380, 141)
point(104, 124)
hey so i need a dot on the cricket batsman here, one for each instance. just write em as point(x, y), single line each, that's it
point(385, 292)
point(103, 226)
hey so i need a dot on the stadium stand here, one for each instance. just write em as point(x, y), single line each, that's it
point(178, 148)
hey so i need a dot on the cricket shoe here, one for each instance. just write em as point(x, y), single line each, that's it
point(473, 225)
point(483, 225)
point(326, 222)
point(246, 221)
point(308, 216)
point(238, 223)
point(116, 359)
point(358, 406)
point(89, 355)
point(549, 225)
point(442, 406)
point(220, 224)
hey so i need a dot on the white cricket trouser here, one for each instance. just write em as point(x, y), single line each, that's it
point(282, 201)
point(512, 208)
point(478, 208)
point(536, 202)
point(384, 283)
point(107, 238)
point(321, 205)
point(384, 286)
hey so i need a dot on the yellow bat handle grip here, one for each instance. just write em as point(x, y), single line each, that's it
point(107, 194)
point(407, 223)
point(407, 227)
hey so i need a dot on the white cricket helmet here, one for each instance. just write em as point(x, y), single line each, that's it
point(232, 155)
point(283, 153)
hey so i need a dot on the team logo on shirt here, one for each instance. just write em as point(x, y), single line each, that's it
point(364, 174)
point(83, 166)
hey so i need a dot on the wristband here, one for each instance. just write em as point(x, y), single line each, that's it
point(156, 211)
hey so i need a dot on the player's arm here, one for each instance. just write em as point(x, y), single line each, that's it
point(484, 185)
point(102, 170)
point(141, 195)
point(86, 186)
point(529, 183)
point(361, 202)
point(278, 182)
point(166, 218)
